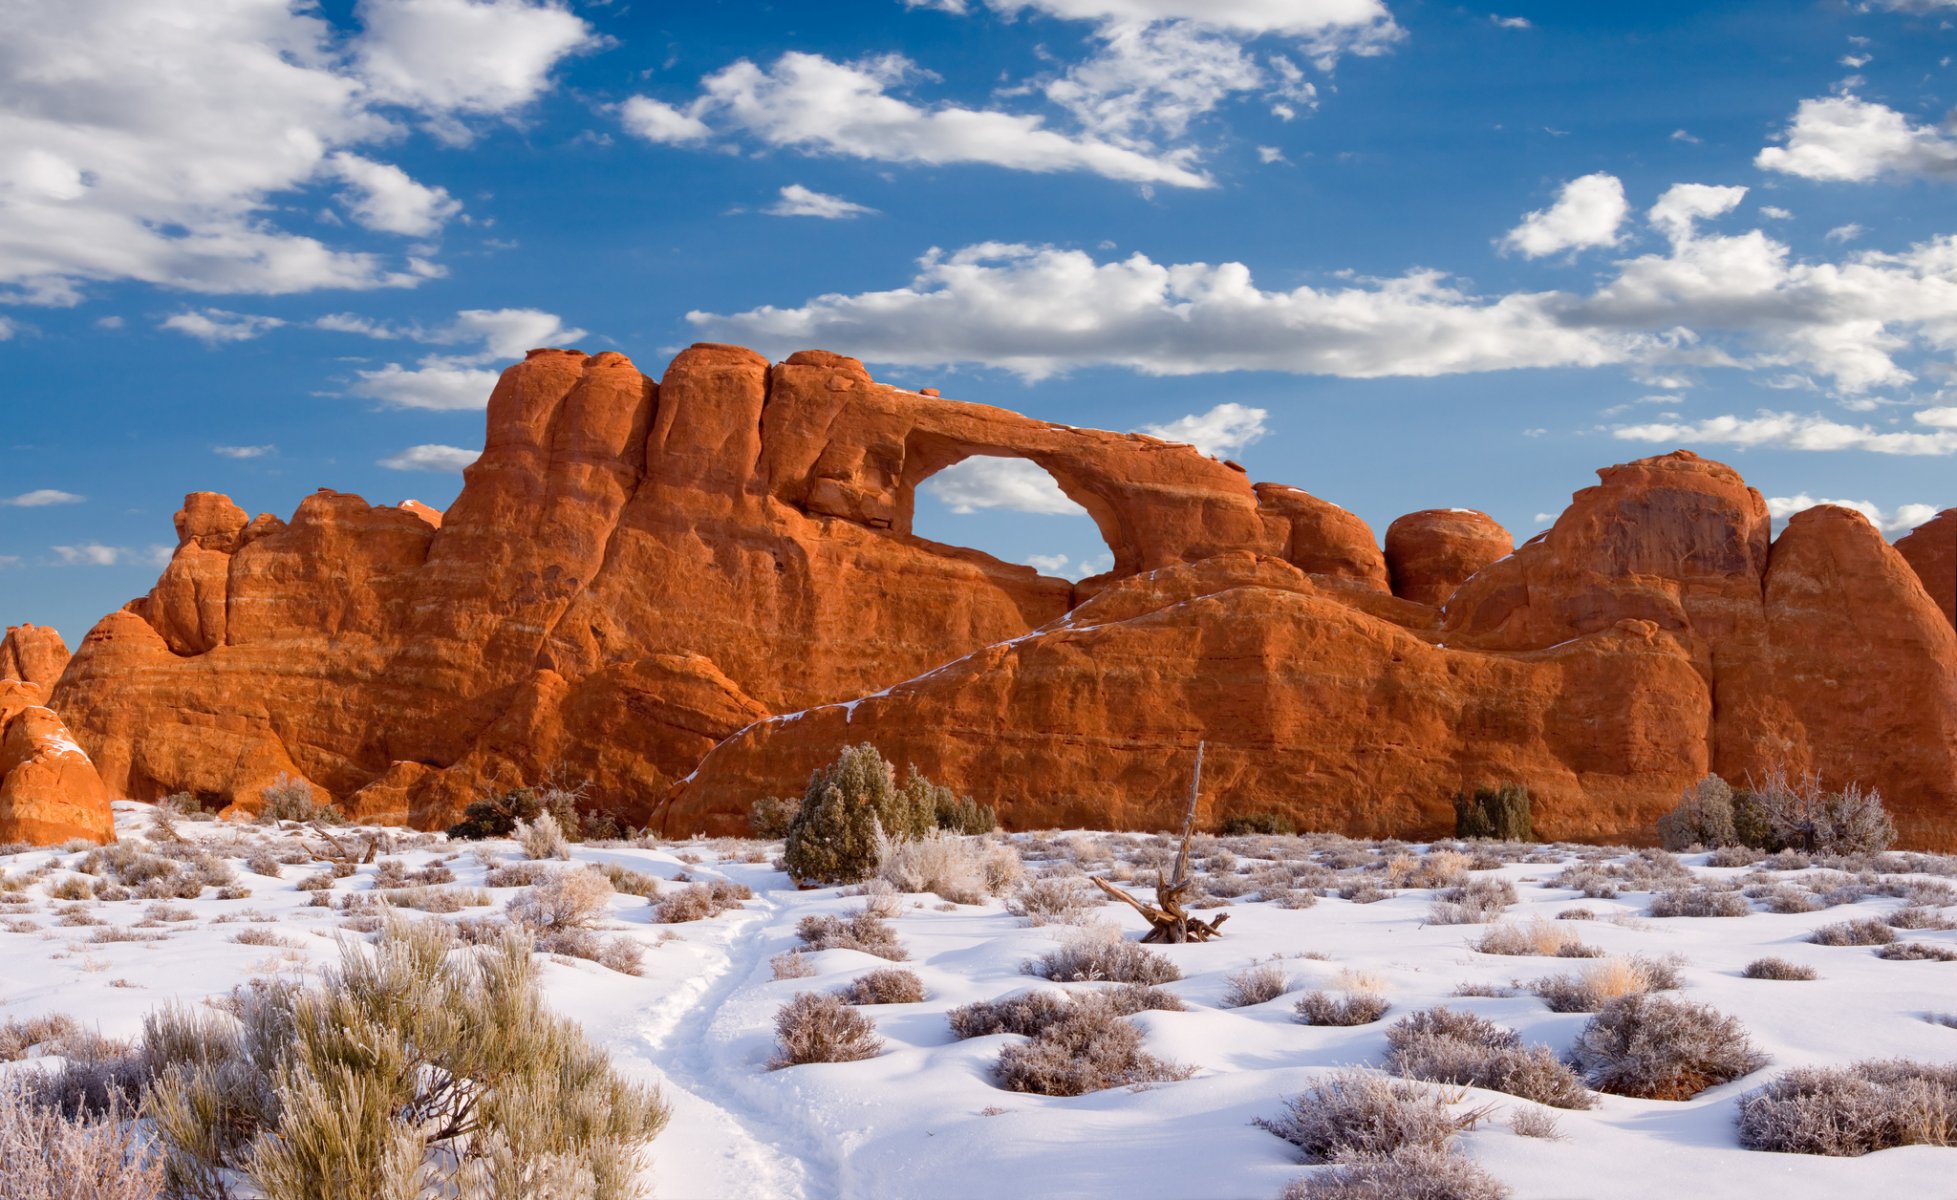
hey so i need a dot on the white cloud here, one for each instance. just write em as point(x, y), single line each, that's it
point(1847, 139)
point(1329, 27)
point(1222, 431)
point(1791, 431)
point(1915, 6)
point(1774, 212)
point(798, 201)
point(1013, 484)
point(215, 326)
point(385, 198)
point(1146, 81)
point(657, 121)
point(158, 140)
point(1587, 212)
point(451, 459)
point(1686, 136)
point(1938, 418)
point(1047, 564)
point(1684, 205)
point(1905, 518)
point(1270, 154)
point(41, 498)
point(813, 104)
point(7, 329)
point(506, 332)
point(1845, 233)
point(244, 451)
point(1510, 22)
point(440, 386)
point(355, 323)
point(88, 554)
point(457, 382)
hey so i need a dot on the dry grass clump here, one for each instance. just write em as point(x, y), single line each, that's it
point(1412, 1173)
point(1363, 891)
point(1699, 902)
point(517, 874)
point(819, 1028)
point(1101, 953)
point(1026, 1014)
point(1917, 952)
point(963, 870)
point(1661, 1048)
point(1351, 1008)
point(886, 985)
point(1052, 900)
point(1255, 985)
point(1356, 1112)
point(1471, 903)
point(46, 1154)
point(1866, 932)
point(1783, 898)
point(48, 1033)
point(699, 901)
point(542, 838)
point(1854, 1110)
point(1538, 937)
point(1536, 1123)
point(862, 931)
point(1090, 1048)
point(1918, 916)
point(1590, 988)
point(1777, 968)
point(790, 964)
point(1442, 1045)
point(627, 882)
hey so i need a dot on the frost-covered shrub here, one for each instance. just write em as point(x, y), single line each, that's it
point(864, 931)
point(1853, 1110)
point(1255, 985)
point(1366, 1113)
point(1442, 1045)
point(771, 817)
point(564, 900)
point(1053, 900)
point(886, 985)
point(49, 1033)
point(542, 838)
point(818, 1028)
point(1703, 817)
point(46, 1154)
point(289, 799)
point(1589, 989)
point(1103, 954)
point(1026, 1014)
point(628, 882)
point(1919, 917)
point(948, 865)
point(1778, 968)
point(699, 901)
point(1660, 1048)
point(1090, 1048)
point(1266, 821)
point(1500, 812)
point(1866, 932)
point(790, 964)
point(1918, 952)
point(1412, 1173)
point(1794, 812)
point(1538, 937)
point(1699, 902)
point(1351, 1008)
point(1472, 902)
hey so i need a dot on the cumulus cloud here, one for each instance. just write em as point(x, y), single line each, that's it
point(1150, 81)
point(1684, 205)
point(1905, 518)
point(1222, 431)
point(461, 381)
point(1848, 139)
point(1792, 431)
point(88, 554)
point(798, 201)
point(816, 105)
point(244, 451)
point(657, 121)
point(1510, 22)
point(163, 153)
point(1047, 564)
point(1328, 28)
point(450, 459)
point(1013, 484)
point(41, 498)
point(216, 326)
point(437, 385)
point(1587, 212)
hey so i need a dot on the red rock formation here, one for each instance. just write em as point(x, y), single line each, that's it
point(1432, 552)
point(49, 790)
point(33, 653)
point(713, 579)
point(1931, 551)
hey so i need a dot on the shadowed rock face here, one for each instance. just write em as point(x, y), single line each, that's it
point(1931, 550)
point(692, 591)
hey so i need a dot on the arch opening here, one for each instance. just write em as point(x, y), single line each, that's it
point(1012, 507)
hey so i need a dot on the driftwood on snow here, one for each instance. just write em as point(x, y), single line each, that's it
point(1168, 921)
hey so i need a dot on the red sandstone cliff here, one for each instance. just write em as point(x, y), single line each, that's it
point(49, 790)
point(637, 574)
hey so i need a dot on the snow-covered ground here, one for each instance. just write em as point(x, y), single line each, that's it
point(926, 1119)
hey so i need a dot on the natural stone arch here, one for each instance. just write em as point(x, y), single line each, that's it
point(926, 454)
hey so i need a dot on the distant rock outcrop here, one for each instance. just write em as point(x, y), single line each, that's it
point(33, 654)
point(1931, 551)
point(690, 592)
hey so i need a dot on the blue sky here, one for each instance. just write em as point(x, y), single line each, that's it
point(1400, 254)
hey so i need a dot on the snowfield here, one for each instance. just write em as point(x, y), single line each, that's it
point(926, 1118)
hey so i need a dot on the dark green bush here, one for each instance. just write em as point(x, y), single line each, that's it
point(1500, 813)
point(1245, 824)
point(832, 836)
point(496, 815)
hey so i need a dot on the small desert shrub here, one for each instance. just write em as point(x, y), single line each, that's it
point(1660, 1048)
point(1699, 902)
point(1918, 952)
point(1091, 1047)
point(1703, 817)
point(260, 937)
point(1500, 812)
point(1471, 903)
point(1255, 985)
point(72, 887)
point(1537, 937)
point(1918, 917)
point(1783, 812)
point(1536, 1123)
point(879, 898)
point(1777, 968)
point(1026, 1014)
point(818, 1028)
point(290, 799)
point(623, 955)
point(1412, 1173)
point(948, 865)
point(628, 882)
point(264, 862)
point(771, 817)
point(1103, 954)
point(499, 813)
point(1363, 891)
point(1052, 901)
point(1366, 1113)
point(886, 985)
point(1591, 988)
point(1441, 1045)
point(1266, 822)
point(949, 811)
point(46, 1154)
point(699, 901)
point(516, 874)
point(565, 900)
point(863, 931)
point(542, 838)
point(1866, 932)
point(18, 1036)
point(1854, 1110)
point(790, 964)
point(1352, 1008)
